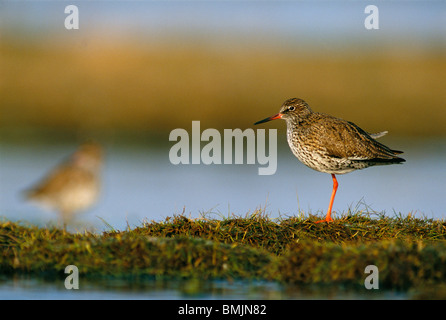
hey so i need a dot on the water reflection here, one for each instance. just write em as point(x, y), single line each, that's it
point(35, 288)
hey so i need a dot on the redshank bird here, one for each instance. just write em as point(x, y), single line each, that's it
point(73, 185)
point(329, 144)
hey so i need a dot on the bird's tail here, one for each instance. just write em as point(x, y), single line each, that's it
point(378, 134)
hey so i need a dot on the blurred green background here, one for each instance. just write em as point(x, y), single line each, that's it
point(144, 68)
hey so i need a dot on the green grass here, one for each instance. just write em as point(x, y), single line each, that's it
point(409, 252)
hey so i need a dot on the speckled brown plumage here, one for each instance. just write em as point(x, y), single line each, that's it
point(329, 144)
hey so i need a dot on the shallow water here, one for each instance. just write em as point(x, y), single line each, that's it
point(31, 288)
point(141, 184)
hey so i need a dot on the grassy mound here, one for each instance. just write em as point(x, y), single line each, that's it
point(408, 252)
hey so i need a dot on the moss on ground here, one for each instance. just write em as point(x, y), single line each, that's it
point(409, 252)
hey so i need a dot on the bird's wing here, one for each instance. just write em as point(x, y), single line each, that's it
point(344, 139)
point(60, 178)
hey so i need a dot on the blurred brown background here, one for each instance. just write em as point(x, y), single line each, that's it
point(100, 79)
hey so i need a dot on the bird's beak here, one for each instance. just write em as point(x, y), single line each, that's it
point(277, 116)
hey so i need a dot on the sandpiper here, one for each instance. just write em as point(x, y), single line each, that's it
point(329, 144)
point(72, 186)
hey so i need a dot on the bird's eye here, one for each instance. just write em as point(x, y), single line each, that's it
point(291, 108)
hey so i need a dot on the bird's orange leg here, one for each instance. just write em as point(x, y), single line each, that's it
point(330, 206)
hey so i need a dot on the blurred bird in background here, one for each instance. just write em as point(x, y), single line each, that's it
point(73, 186)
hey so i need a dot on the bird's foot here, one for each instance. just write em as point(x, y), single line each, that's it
point(328, 219)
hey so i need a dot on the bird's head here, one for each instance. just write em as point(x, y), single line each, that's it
point(293, 109)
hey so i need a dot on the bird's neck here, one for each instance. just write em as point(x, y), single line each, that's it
point(291, 125)
point(291, 128)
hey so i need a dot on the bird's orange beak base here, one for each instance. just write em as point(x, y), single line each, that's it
point(274, 117)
